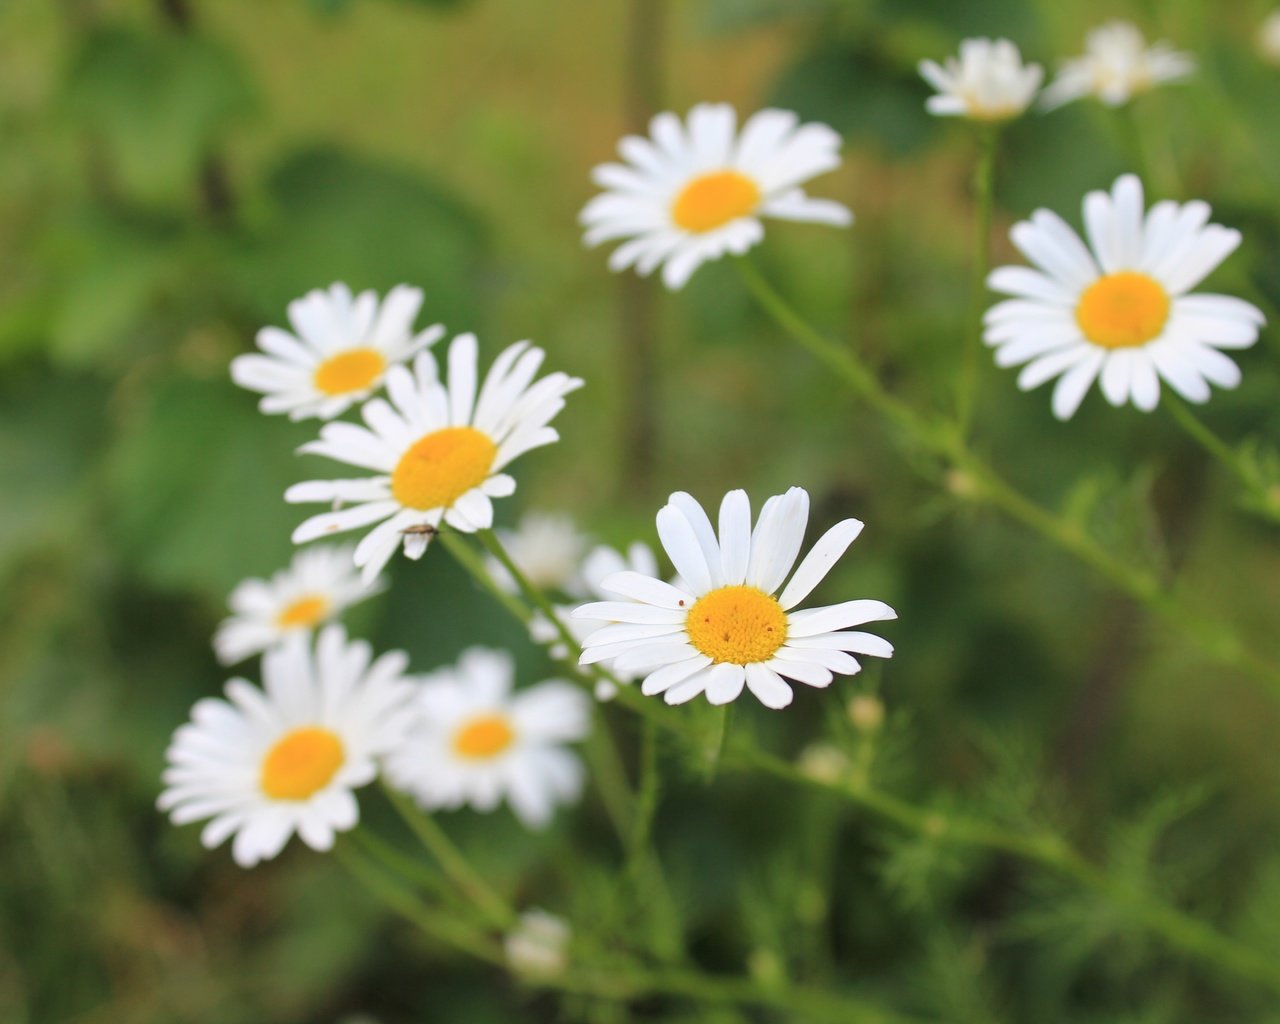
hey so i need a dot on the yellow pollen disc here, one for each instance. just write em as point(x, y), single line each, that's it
point(713, 200)
point(739, 625)
point(484, 737)
point(353, 370)
point(441, 467)
point(303, 613)
point(301, 763)
point(1123, 310)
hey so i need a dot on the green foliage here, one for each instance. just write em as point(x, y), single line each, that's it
point(859, 92)
point(157, 102)
point(197, 493)
point(336, 216)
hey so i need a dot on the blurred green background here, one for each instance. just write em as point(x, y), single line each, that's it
point(173, 172)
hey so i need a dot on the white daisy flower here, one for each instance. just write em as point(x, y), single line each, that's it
point(601, 563)
point(475, 742)
point(695, 190)
point(318, 585)
point(438, 450)
point(547, 548)
point(266, 763)
point(726, 624)
point(988, 82)
point(1269, 37)
point(1119, 309)
point(341, 349)
point(1116, 66)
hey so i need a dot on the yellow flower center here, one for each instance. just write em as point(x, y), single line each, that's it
point(738, 624)
point(301, 763)
point(353, 370)
point(441, 467)
point(1123, 310)
point(304, 612)
point(713, 200)
point(483, 737)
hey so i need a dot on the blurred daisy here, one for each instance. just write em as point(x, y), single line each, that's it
point(438, 450)
point(726, 625)
point(475, 742)
point(1116, 66)
point(264, 764)
point(316, 587)
point(340, 351)
point(1269, 37)
point(547, 548)
point(601, 563)
point(988, 83)
point(696, 189)
point(538, 946)
point(1119, 309)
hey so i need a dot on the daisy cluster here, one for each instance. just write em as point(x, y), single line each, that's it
point(429, 442)
point(434, 440)
point(265, 763)
point(988, 81)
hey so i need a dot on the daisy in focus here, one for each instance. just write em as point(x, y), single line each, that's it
point(266, 763)
point(1116, 66)
point(340, 350)
point(318, 585)
point(437, 449)
point(601, 563)
point(547, 548)
point(988, 82)
point(1118, 309)
point(475, 742)
point(696, 189)
point(730, 622)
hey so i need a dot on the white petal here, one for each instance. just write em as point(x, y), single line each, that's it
point(776, 542)
point(818, 562)
point(768, 687)
point(724, 683)
point(681, 544)
point(735, 536)
point(1071, 388)
point(837, 616)
point(646, 590)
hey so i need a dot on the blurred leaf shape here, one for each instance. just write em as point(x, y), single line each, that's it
point(340, 217)
point(116, 270)
point(47, 450)
point(861, 93)
point(157, 104)
point(196, 481)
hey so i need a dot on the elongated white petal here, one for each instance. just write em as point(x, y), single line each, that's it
point(818, 562)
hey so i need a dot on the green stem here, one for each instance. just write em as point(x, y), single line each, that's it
point(466, 556)
point(434, 923)
point(716, 738)
point(646, 799)
point(984, 176)
point(620, 802)
point(410, 869)
point(980, 482)
point(1130, 129)
point(1264, 502)
point(452, 861)
point(532, 594)
point(1208, 440)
